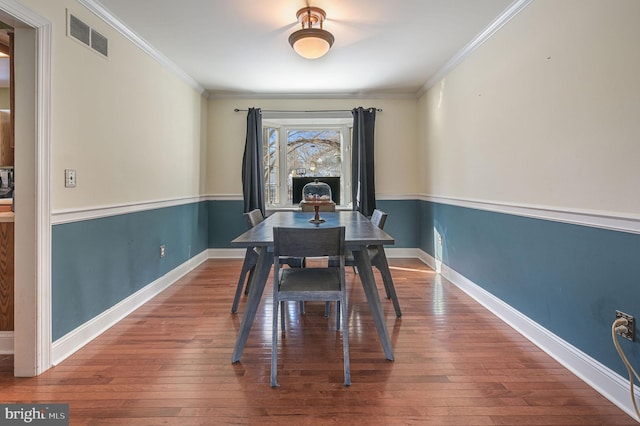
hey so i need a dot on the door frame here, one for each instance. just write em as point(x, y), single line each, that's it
point(32, 300)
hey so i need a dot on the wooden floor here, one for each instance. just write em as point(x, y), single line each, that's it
point(169, 363)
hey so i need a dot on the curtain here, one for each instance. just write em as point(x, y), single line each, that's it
point(252, 170)
point(363, 188)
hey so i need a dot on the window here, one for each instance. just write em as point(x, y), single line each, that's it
point(304, 148)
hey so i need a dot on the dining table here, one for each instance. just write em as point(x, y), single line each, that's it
point(359, 233)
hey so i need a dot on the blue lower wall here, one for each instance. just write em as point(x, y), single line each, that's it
point(226, 222)
point(568, 278)
point(98, 263)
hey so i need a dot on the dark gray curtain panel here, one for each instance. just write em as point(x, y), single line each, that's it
point(363, 186)
point(252, 170)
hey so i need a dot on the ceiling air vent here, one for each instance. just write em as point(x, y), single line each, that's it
point(87, 35)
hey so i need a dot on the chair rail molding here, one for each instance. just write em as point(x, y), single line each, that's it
point(613, 221)
point(87, 213)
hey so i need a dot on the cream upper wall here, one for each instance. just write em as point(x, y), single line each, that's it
point(133, 131)
point(395, 140)
point(545, 113)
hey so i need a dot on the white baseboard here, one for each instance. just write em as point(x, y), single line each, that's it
point(600, 377)
point(76, 339)
point(401, 253)
point(226, 253)
point(6, 342)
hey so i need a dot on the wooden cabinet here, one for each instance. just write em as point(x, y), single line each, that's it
point(6, 275)
point(6, 139)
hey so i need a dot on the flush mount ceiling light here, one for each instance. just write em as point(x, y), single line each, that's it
point(312, 41)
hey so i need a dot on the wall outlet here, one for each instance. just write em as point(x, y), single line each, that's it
point(163, 250)
point(629, 334)
point(70, 178)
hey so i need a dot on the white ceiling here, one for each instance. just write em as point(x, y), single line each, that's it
point(241, 47)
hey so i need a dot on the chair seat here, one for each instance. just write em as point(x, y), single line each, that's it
point(310, 284)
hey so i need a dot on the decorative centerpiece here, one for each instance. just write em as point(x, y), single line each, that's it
point(316, 194)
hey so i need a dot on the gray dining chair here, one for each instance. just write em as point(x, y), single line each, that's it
point(378, 259)
point(318, 283)
point(251, 219)
point(306, 208)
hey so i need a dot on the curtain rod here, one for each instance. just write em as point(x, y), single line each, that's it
point(315, 110)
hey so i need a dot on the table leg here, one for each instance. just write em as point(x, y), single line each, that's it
point(256, 288)
point(371, 291)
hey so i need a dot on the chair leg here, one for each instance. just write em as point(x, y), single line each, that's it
point(282, 316)
point(337, 315)
point(274, 344)
point(345, 341)
point(327, 309)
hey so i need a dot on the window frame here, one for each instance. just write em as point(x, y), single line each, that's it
point(340, 122)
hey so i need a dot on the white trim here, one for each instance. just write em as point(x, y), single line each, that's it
point(76, 215)
point(226, 253)
point(41, 309)
point(103, 13)
point(600, 377)
point(43, 196)
point(6, 342)
point(239, 197)
point(512, 10)
point(76, 339)
point(227, 94)
point(400, 252)
point(598, 219)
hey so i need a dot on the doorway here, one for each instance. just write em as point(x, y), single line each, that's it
point(32, 284)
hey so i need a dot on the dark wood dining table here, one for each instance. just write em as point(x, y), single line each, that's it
point(359, 233)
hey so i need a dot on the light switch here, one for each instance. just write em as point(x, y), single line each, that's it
point(70, 178)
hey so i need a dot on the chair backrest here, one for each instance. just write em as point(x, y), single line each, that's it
point(308, 242)
point(253, 218)
point(378, 218)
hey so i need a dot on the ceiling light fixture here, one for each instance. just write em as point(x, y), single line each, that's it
point(312, 41)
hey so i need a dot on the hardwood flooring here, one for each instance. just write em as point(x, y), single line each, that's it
point(169, 363)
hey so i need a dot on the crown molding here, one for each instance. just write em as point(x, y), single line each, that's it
point(512, 10)
point(213, 94)
point(103, 13)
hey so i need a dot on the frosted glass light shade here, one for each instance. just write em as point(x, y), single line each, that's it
point(311, 43)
